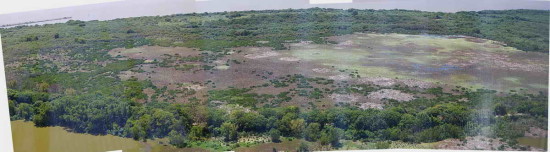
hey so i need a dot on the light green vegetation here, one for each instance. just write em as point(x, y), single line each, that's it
point(515, 80)
point(222, 67)
point(329, 55)
point(463, 61)
point(372, 71)
point(444, 43)
point(539, 86)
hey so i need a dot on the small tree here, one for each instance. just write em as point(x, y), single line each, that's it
point(297, 127)
point(500, 110)
point(177, 139)
point(303, 147)
point(354, 13)
point(331, 135)
point(229, 131)
point(275, 135)
point(312, 132)
point(42, 112)
point(197, 133)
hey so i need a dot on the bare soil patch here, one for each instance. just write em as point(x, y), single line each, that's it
point(390, 94)
point(477, 142)
point(291, 59)
point(371, 105)
point(321, 70)
point(536, 132)
point(381, 81)
point(345, 98)
point(258, 53)
point(152, 52)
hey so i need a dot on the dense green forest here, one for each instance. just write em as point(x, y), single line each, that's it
point(96, 101)
point(186, 124)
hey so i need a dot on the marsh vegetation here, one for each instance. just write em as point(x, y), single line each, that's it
point(309, 79)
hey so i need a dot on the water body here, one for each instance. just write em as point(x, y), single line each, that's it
point(534, 142)
point(28, 138)
point(136, 8)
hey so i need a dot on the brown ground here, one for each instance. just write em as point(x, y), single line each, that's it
point(477, 143)
point(536, 132)
point(251, 67)
point(268, 147)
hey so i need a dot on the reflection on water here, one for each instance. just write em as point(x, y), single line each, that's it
point(534, 142)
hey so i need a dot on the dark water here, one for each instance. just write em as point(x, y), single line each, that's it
point(135, 8)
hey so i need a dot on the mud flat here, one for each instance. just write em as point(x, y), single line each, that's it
point(453, 60)
point(384, 60)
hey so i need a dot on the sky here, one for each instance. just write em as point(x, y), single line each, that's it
point(18, 11)
point(15, 6)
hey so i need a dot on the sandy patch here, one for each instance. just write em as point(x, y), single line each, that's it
point(258, 53)
point(301, 43)
point(536, 132)
point(219, 62)
point(153, 52)
point(321, 70)
point(344, 98)
point(370, 105)
point(475, 40)
point(222, 67)
point(340, 77)
point(347, 43)
point(291, 59)
point(381, 81)
point(390, 94)
point(262, 42)
point(196, 87)
point(417, 83)
point(230, 108)
point(494, 60)
point(149, 92)
point(386, 82)
point(477, 142)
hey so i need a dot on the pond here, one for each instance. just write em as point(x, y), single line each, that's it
point(28, 138)
point(534, 142)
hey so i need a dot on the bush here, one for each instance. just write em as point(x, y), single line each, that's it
point(275, 135)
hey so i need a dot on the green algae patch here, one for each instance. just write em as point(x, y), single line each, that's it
point(514, 80)
point(371, 71)
point(540, 86)
point(330, 55)
point(453, 60)
point(222, 67)
point(442, 43)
